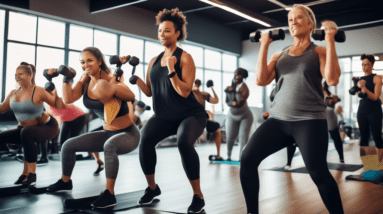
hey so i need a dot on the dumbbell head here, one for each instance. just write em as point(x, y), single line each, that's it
point(319, 35)
point(134, 61)
point(49, 86)
point(66, 71)
point(209, 83)
point(255, 36)
point(49, 77)
point(277, 34)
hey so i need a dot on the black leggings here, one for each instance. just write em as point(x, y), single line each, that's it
point(272, 136)
point(71, 129)
point(335, 136)
point(28, 136)
point(188, 130)
point(370, 117)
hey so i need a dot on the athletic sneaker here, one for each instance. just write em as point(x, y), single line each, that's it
point(42, 162)
point(287, 167)
point(342, 160)
point(31, 180)
point(99, 168)
point(106, 199)
point(149, 195)
point(197, 205)
point(60, 185)
point(21, 179)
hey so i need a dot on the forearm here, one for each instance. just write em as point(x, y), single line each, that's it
point(371, 96)
point(332, 68)
point(181, 87)
point(144, 88)
point(68, 93)
point(59, 103)
point(262, 73)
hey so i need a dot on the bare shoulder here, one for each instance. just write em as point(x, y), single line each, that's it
point(186, 57)
point(377, 79)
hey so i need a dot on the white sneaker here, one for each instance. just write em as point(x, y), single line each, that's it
point(287, 167)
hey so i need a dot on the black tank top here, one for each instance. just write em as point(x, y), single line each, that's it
point(98, 107)
point(167, 103)
point(371, 87)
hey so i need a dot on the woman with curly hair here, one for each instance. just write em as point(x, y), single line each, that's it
point(169, 81)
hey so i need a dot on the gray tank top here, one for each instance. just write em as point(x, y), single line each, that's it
point(26, 110)
point(299, 94)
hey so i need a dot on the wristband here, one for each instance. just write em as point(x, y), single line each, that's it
point(172, 74)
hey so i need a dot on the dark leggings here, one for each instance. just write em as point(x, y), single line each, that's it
point(370, 117)
point(188, 130)
point(71, 129)
point(272, 136)
point(28, 136)
point(335, 136)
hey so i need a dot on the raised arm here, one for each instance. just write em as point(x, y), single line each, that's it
point(329, 64)
point(51, 98)
point(5, 106)
point(265, 73)
point(183, 87)
point(377, 89)
point(213, 100)
point(72, 95)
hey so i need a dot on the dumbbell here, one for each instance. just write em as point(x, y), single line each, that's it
point(319, 34)
point(209, 83)
point(354, 89)
point(277, 34)
point(49, 86)
point(116, 60)
point(134, 61)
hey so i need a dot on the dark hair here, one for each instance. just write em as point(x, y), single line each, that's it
point(30, 69)
point(99, 56)
point(242, 72)
point(178, 19)
point(370, 58)
point(197, 82)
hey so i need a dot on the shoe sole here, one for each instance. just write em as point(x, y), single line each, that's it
point(104, 206)
point(147, 202)
point(62, 190)
point(41, 164)
point(197, 211)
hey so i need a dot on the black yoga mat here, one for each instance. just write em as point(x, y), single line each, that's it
point(333, 166)
point(125, 201)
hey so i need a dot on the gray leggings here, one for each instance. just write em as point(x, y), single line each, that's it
point(113, 143)
point(238, 123)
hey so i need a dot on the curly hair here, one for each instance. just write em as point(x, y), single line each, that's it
point(178, 19)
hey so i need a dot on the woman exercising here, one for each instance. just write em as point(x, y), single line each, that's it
point(120, 136)
point(169, 81)
point(239, 119)
point(35, 125)
point(298, 110)
point(370, 113)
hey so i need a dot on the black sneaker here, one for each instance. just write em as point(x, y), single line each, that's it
point(197, 205)
point(104, 200)
point(99, 169)
point(149, 195)
point(31, 180)
point(60, 185)
point(21, 179)
point(42, 162)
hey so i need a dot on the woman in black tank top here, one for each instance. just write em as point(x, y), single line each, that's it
point(169, 81)
point(370, 114)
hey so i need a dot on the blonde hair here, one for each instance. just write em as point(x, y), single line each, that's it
point(309, 13)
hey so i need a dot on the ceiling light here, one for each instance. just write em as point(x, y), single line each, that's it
point(376, 58)
point(288, 8)
point(236, 12)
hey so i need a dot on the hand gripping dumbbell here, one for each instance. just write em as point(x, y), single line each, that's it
point(116, 60)
point(319, 34)
point(69, 74)
point(134, 61)
point(49, 86)
point(209, 83)
point(354, 89)
point(277, 34)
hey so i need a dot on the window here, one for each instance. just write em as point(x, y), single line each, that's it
point(152, 50)
point(131, 46)
point(80, 37)
point(22, 27)
point(16, 53)
point(51, 33)
point(2, 22)
point(106, 42)
point(256, 92)
point(74, 62)
point(212, 59)
point(196, 53)
point(229, 62)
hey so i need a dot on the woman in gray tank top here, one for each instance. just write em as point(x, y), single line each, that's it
point(239, 118)
point(35, 125)
point(298, 111)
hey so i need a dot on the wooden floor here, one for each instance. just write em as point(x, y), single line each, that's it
point(280, 192)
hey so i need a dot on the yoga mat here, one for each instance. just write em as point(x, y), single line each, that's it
point(333, 166)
